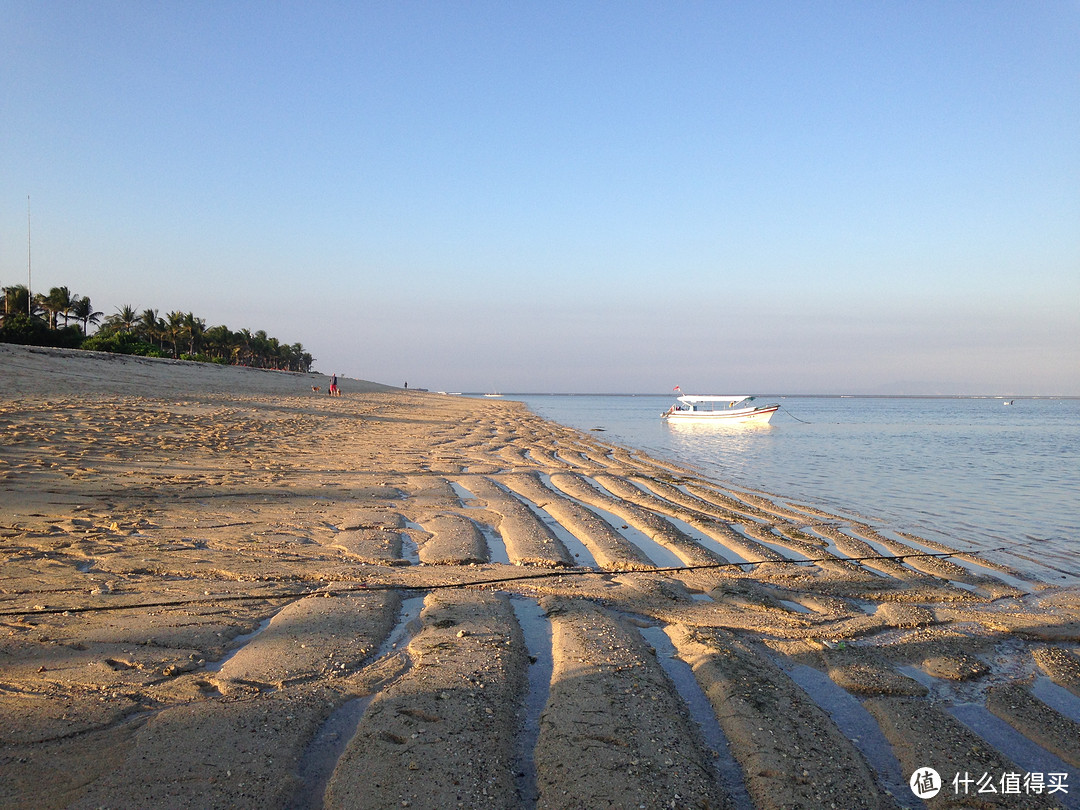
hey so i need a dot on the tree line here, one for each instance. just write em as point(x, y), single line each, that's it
point(36, 320)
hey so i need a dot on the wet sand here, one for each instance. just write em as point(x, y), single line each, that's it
point(219, 588)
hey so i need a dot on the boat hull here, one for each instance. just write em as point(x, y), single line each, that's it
point(759, 416)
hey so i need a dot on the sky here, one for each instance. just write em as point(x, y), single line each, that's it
point(758, 197)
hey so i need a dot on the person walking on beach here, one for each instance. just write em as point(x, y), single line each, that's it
point(333, 385)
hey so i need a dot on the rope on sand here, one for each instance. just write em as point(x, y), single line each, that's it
point(570, 572)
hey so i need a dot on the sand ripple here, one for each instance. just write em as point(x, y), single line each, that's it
point(196, 575)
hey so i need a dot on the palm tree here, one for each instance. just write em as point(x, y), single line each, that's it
point(64, 300)
point(17, 301)
point(83, 310)
point(242, 347)
point(286, 356)
point(259, 349)
point(299, 360)
point(123, 320)
point(174, 330)
point(41, 302)
point(194, 329)
point(58, 302)
point(150, 327)
point(219, 343)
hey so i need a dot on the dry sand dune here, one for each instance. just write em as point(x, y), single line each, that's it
point(220, 589)
point(33, 370)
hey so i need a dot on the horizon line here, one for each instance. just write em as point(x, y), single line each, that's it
point(759, 396)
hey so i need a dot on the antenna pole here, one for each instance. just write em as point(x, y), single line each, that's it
point(29, 295)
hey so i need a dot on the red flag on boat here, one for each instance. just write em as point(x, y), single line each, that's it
point(676, 388)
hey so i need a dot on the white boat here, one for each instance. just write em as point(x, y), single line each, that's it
point(721, 409)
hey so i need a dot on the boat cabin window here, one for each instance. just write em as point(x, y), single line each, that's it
point(716, 405)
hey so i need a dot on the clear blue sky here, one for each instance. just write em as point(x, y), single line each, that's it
point(584, 196)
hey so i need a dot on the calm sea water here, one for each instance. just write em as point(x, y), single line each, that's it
point(972, 473)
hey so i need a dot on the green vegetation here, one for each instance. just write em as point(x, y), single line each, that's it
point(179, 335)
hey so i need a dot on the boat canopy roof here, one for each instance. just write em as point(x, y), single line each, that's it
point(729, 399)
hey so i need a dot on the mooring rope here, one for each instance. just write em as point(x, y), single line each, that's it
point(793, 416)
point(333, 590)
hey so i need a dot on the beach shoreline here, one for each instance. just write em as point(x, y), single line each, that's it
point(204, 570)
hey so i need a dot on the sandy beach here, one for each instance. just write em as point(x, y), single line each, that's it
point(220, 588)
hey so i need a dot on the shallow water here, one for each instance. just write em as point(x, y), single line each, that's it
point(239, 641)
point(329, 743)
point(1057, 698)
point(496, 547)
point(971, 473)
point(1027, 755)
point(701, 711)
point(856, 723)
point(409, 550)
point(703, 540)
point(323, 752)
point(577, 549)
point(657, 554)
point(536, 628)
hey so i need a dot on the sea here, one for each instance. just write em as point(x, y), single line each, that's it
point(1002, 480)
